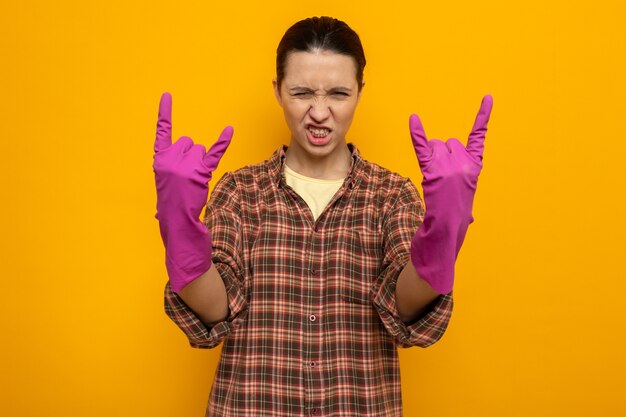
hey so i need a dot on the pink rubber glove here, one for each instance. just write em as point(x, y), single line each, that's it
point(182, 172)
point(450, 173)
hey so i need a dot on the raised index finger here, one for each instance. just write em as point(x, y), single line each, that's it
point(215, 153)
point(164, 123)
point(476, 142)
point(420, 142)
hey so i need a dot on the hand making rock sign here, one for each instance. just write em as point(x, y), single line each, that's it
point(450, 173)
point(182, 172)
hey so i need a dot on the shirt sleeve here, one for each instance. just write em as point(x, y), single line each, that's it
point(400, 225)
point(222, 218)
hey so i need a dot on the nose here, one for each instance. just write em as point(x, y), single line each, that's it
point(320, 110)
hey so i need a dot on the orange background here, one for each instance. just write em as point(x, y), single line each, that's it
point(538, 327)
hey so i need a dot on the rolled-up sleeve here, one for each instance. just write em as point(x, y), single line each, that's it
point(223, 220)
point(400, 225)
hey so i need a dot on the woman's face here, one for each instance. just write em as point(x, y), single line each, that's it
point(318, 94)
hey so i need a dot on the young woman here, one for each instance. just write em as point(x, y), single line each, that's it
point(315, 265)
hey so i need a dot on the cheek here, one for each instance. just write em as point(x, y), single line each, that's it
point(345, 113)
point(296, 111)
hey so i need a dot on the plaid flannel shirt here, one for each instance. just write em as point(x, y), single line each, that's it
point(313, 327)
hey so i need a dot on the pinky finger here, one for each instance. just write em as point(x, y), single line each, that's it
point(476, 141)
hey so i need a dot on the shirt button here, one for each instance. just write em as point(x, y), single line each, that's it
point(313, 411)
point(312, 364)
point(312, 317)
point(313, 271)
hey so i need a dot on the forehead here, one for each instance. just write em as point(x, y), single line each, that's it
point(319, 69)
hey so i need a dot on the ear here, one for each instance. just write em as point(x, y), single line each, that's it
point(360, 91)
point(277, 92)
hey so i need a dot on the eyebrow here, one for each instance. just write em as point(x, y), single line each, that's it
point(332, 90)
point(340, 90)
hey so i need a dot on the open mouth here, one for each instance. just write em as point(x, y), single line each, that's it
point(319, 132)
point(318, 135)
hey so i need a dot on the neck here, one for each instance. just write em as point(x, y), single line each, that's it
point(333, 166)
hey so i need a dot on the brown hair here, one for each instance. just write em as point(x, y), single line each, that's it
point(320, 33)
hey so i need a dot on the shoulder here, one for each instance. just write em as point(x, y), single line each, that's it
point(251, 178)
point(385, 182)
point(381, 174)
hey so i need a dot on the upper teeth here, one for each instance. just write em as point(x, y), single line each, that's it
point(319, 132)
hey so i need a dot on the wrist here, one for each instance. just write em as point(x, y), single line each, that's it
point(434, 249)
point(188, 254)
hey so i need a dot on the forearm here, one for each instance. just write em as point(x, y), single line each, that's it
point(206, 296)
point(413, 294)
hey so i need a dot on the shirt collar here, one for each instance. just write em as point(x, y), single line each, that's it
point(277, 161)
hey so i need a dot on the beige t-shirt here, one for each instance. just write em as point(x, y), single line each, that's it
point(315, 192)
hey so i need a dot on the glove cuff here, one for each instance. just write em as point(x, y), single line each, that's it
point(189, 256)
point(434, 249)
